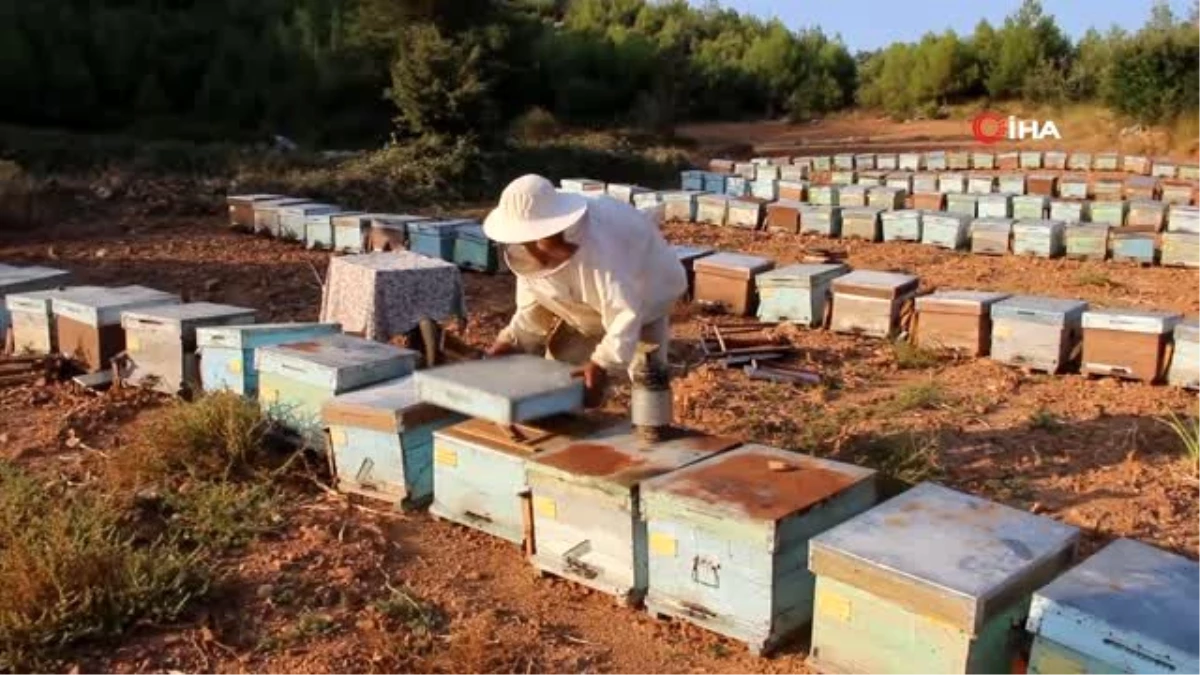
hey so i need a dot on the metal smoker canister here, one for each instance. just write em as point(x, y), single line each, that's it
point(650, 399)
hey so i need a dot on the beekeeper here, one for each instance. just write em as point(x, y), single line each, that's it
point(596, 282)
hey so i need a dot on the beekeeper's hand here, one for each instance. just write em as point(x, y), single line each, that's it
point(502, 348)
point(595, 379)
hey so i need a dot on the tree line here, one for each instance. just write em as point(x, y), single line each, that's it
point(332, 72)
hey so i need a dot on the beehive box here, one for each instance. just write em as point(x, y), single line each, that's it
point(1141, 188)
point(983, 160)
point(1178, 192)
point(781, 160)
point(796, 293)
point(1147, 215)
point(318, 229)
point(957, 320)
point(88, 324)
point(945, 230)
point(227, 353)
point(1054, 159)
point(899, 179)
point(1128, 609)
point(1127, 343)
point(646, 199)
point(1070, 211)
point(1079, 161)
point(1011, 183)
point(1185, 360)
point(1008, 160)
point(293, 219)
point(1136, 164)
point(784, 216)
point(1039, 238)
point(726, 281)
point(952, 182)
point(925, 182)
point(1042, 184)
point(391, 232)
point(823, 220)
point(1036, 332)
point(1031, 159)
point(745, 170)
point(688, 255)
point(1189, 172)
point(32, 320)
point(587, 523)
point(474, 251)
point(296, 379)
point(728, 538)
point(1133, 247)
point(990, 236)
point(1109, 212)
point(746, 213)
point(822, 163)
point(1108, 189)
point(351, 232)
point(910, 161)
point(624, 192)
point(582, 186)
point(843, 178)
point(995, 205)
point(1181, 249)
point(488, 389)
point(712, 209)
point(721, 165)
point(1164, 168)
point(963, 204)
point(852, 196)
point(715, 183)
point(887, 161)
point(160, 343)
point(935, 160)
point(932, 581)
point(929, 201)
point(903, 225)
point(1106, 161)
point(871, 178)
point(737, 186)
point(1183, 219)
point(864, 161)
point(767, 189)
point(1030, 207)
point(266, 213)
point(436, 238)
point(381, 442)
point(1073, 187)
point(805, 164)
point(691, 180)
point(867, 302)
point(958, 160)
point(23, 280)
point(793, 190)
point(843, 162)
point(479, 470)
point(886, 198)
point(680, 205)
point(981, 184)
point(861, 223)
point(1086, 241)
point(241, 208)
point(793, 173)
point(824, 195)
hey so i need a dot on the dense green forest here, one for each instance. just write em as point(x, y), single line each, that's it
point(351, 72)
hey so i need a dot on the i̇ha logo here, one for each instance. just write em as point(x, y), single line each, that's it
point(989, 127)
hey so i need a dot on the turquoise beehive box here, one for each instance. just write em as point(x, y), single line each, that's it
point(931, 581)
point(843, 162)
point(797, 293)
point(1110, 212)
point(1131, 608)
point(1079, 161)
point(843, 177)
point(160, 343)
point(950, 231)
point(505, 390)
point(1037, 332)
point(474, 251)
point(381, 442)
point(903, 225)
point(293, 219)
point(952, 182)
point(995, 205)
point(691, 180)
point(715, 182)
point(936, 160)
point(737, 186)
point(297, 378)
point(587, 523)
point(227, 352)
point(728, 538)
point(318, 229)
point(925, 182)
point(436, 238)
point(887, 161)
point(1134, 247)
point(1073, 187)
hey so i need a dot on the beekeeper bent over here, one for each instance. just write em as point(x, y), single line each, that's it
point(596, 282)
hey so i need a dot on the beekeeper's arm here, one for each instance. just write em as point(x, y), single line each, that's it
point(622, 315)
point(529, 326)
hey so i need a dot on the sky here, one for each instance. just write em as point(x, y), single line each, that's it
point(870, 24)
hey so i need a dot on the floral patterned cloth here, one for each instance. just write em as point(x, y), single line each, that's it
point(382, 295)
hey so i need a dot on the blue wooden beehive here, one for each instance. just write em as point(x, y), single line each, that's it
point(766, 172)
point(436, 238)
point(587, 523)
point(160, 343)
point(381, 442)
point(822, 163)
point(318, 229)
point(861, 223)
point(474, 251)
point(852, 196)
point(1086, 241)
point(692, 180)
point(946, 230)
point(504, 390)
point(715, 182)
point(293, 219)
point(981, 184)
point(824, 195)
point(227, 352)
point(1030, 207)
point(1036, 332)
point(911, 161)
point(297, 378)
point(1070, 211)
point(1135, 247)
point(712, 209)
point(963, 204)
point(903, 225)
point(1079, 161)
point(1073, 187)
point(796, 293)
point(350, 231)
point(1182, 218)
point(266, 213)
point(737, 186)
point(936, 160)
point(931, 581)
point(823, 220)
point(23, 280)
point(728, 538)
point(991, 236)
point(1131, 608)
point(952, 182)
point(680, 205)
point(1040, 238)
point(1184, 370)
point(1181, 249)
point(793, 173)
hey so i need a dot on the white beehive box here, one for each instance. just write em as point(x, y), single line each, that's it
point(160, 343)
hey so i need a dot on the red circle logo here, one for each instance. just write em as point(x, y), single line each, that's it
point(989, 127)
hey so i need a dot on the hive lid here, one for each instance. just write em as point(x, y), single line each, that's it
point(103, 306)
point(1131, 320)
point(309, 208)
point(522, 440)
point(182, 318)
point(393, 221)
point(616, 458)
point(871, 282)
point(1143, 182)
point(963, 197)
point(503, 390)
point(680, 195)
point(992, 224)
point(441, 228)
point(758, 482)
point(354, 219)
point(340, 362)
point(790, 204)
point(734, 264)
point(848, 190)
point(801, 275)
point(945, 554)
point(388, 407)
point(997, 198)
point(1141, 599)
point(472, 232)
point(903, 214)
point(41, 301)
point(249, 198)
point(1073, 178)
point(864, 212)
point(943, 218)
point(1147, 205)
point(393, 262)
point(1042, 200)
point(1123, 234)
point(686, 253)
point(33, 278)
point(747, 203)
point(960, 302)
point(276, 204)
point(714, 199)
point(1036, 226)
point(1052, 311)
point(246, 336)
point(1089, 229)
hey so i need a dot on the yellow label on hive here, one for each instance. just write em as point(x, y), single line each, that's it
point(833, 605)
point(545, 507)
point(270, 395)
point(1002, 331)
point(1050, 660)
point(445, 456)
point(338, 436)
point(132, 343)
point(663, 544)
point(235, 366)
